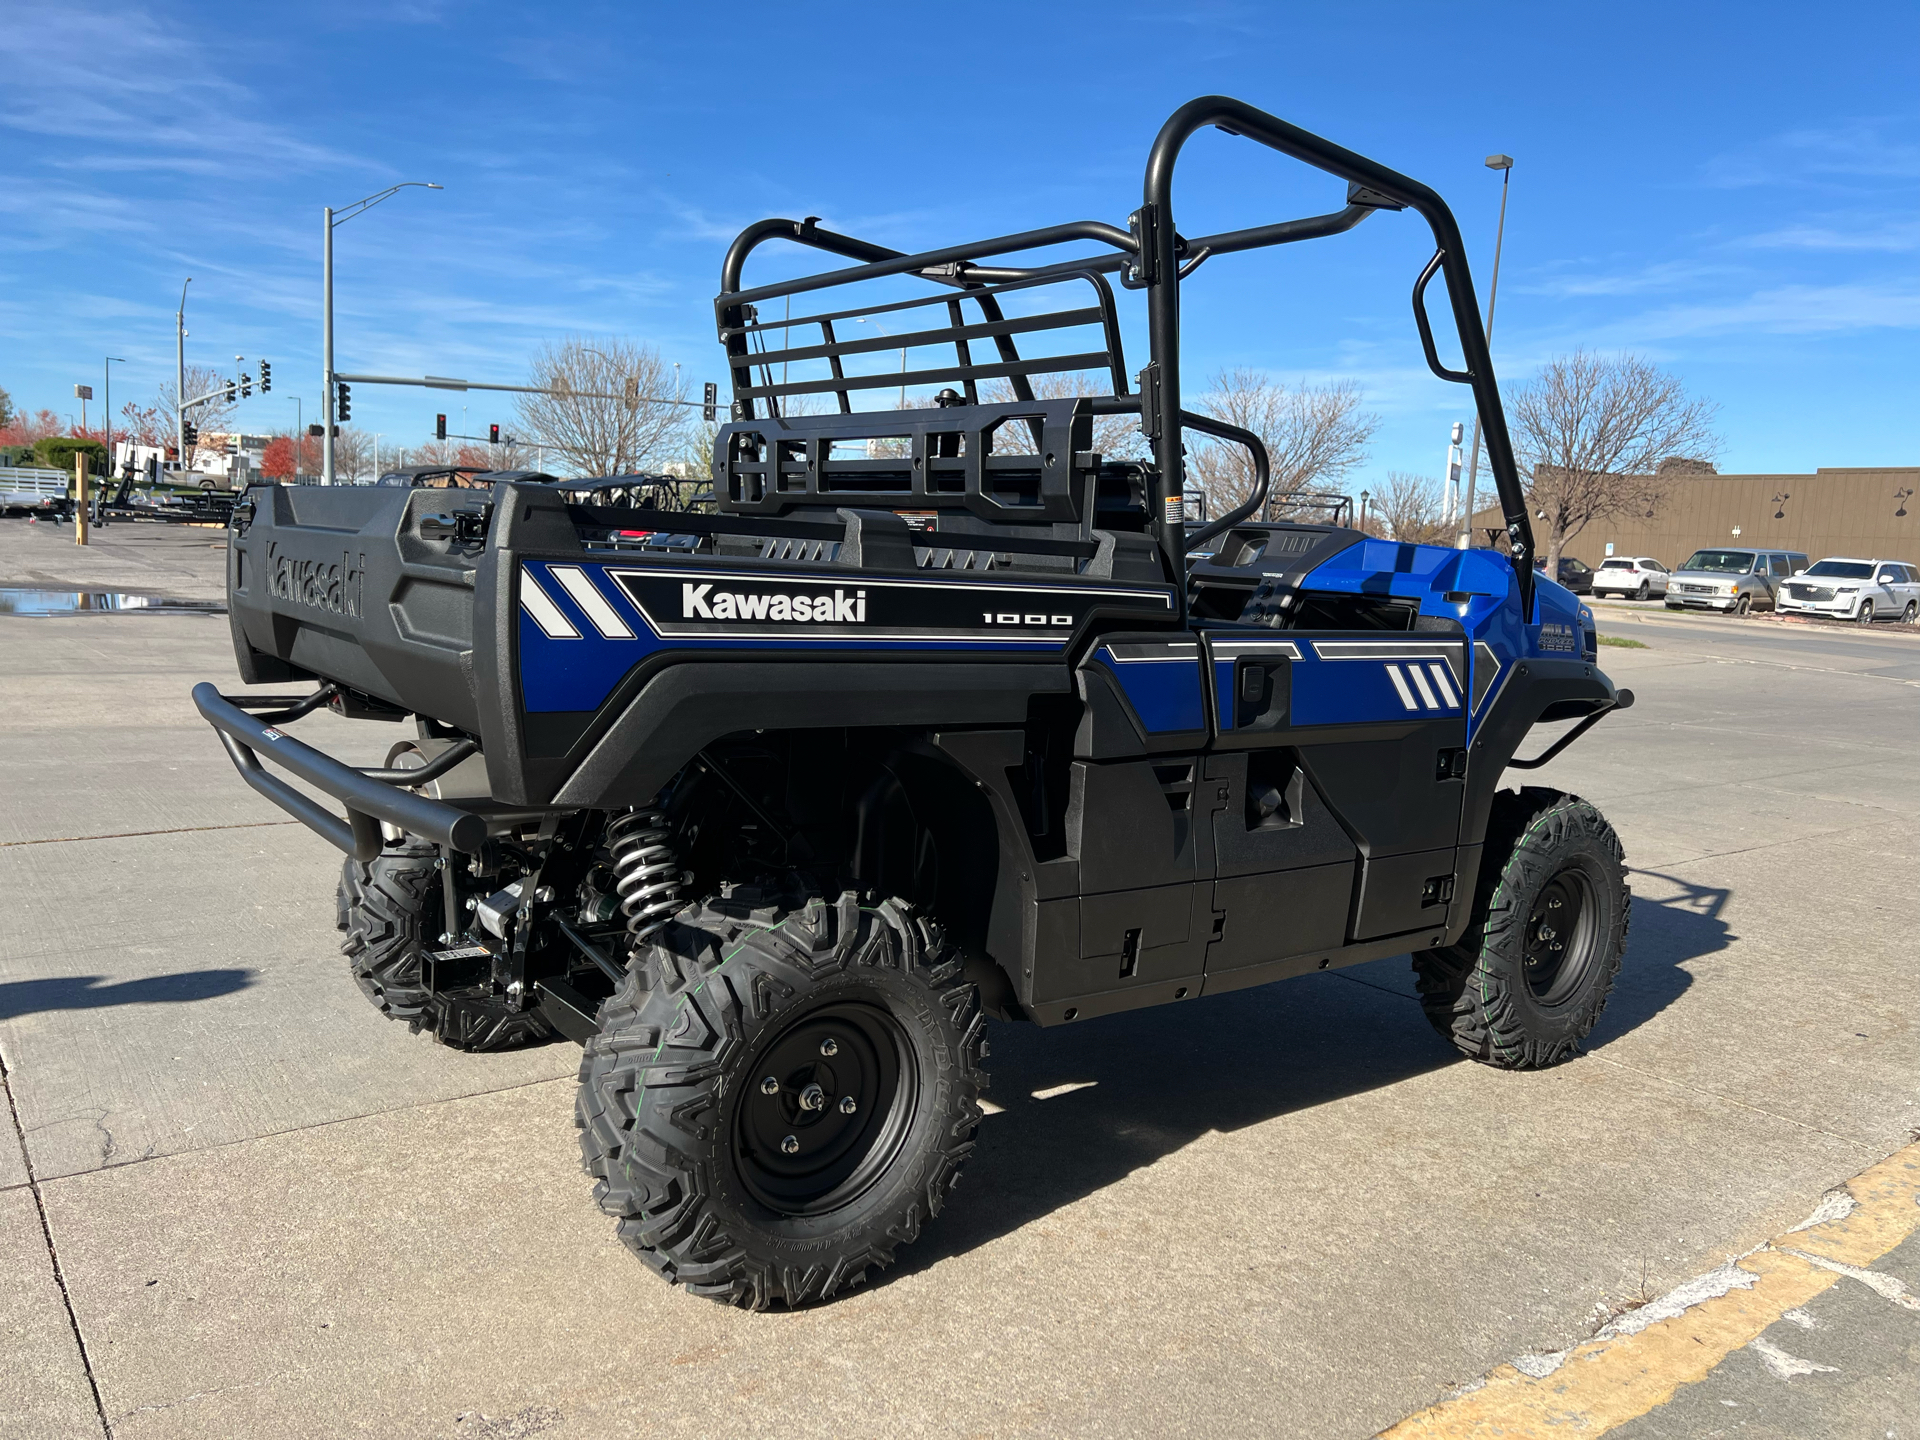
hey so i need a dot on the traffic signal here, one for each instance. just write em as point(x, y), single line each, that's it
point(246, 385)
point(266, 376)
point(345, 401)
point(316, 431)
point(233, 392)
point(493, 434)
point(710, 409)
point(439, 427)
point(190, 432)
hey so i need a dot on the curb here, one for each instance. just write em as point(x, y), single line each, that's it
point(1637, 1363)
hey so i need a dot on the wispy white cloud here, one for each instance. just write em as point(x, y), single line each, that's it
point(1861, 151)
point(170, 106)
point(1893, 237)
point(1786, 310)
point(1644, 279)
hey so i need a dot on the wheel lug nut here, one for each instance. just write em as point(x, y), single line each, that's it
point(848, 1105)
point(769, 1086)
point(829, 1046)
point(790, 1145)
point(813, 1098)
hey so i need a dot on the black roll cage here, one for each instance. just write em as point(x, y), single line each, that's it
point(1151, 255)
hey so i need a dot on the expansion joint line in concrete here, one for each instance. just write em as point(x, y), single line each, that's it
point(1852, 1140)
point(138, 834)
point(1640, 1361)
point(53, 1253)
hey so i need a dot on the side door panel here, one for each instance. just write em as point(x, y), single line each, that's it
point(1361, 741)
point(1135, 827)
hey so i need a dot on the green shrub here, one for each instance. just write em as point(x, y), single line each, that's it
point(56, 452)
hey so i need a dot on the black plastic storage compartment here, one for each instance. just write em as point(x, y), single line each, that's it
point(370, 587)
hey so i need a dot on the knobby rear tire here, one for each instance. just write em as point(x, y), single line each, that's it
point(390, 908)
point(392, 911)
point(1494, 995)
point(679, 1127)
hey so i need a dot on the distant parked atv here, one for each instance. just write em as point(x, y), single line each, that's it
point(941, 716)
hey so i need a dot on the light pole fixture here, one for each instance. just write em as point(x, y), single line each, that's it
point(332, 218)
point(107, 404)
point(180, 377)
point(1504, 164)
point(1363, 512)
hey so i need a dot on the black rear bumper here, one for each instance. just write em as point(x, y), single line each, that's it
point(368, 800)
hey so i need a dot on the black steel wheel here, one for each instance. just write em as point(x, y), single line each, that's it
point(1560, 940)
point(1743, 605)
point(1531, 974)
point(782, 1093)
point(832, 1107)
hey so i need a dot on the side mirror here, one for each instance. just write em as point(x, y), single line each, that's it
point(1799, 572)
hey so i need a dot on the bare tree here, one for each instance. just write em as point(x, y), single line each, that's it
point(1409, 509)
point(1314, 434)
point(353, 455)
point(585, 430)
point(210, 418)
point(1593, 431)
point(1117, 437)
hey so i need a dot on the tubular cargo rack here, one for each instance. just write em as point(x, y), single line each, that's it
point(770, 460)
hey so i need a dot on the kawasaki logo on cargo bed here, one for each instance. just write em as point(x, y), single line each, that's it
point(679, 604)
point(322, 584)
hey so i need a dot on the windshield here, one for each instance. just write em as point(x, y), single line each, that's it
point(1842, 569)
point(1731, 562)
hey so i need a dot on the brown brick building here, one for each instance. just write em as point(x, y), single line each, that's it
point(1861, 512)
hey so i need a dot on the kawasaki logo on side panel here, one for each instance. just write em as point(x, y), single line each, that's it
point(840, 608)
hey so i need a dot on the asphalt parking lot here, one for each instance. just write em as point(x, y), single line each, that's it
point(237, 1202)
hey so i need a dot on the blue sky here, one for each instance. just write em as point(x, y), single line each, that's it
point(1730, 190)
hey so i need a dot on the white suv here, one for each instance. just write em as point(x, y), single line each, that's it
point(1640, 576)
point(1863, 590)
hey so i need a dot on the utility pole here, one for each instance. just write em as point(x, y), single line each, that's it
point(180, 377)
point(326, 359)
point(111, 361)
point(1504, 164)
point(329, 219)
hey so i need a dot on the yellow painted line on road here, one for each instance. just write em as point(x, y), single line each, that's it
point(1605, 1383)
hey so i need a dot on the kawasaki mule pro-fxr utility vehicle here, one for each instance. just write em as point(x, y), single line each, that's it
point(941, 715)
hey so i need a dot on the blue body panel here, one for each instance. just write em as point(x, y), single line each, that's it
point(1484, 599)
point(1164, 690)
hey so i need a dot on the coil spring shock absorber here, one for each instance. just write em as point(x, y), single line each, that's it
point(646, 872)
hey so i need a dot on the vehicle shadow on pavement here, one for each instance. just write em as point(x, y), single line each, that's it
point(1665, 934)
point(1120, 1093)
point(90, 992)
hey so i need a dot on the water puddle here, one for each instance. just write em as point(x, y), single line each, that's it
point(39, 603)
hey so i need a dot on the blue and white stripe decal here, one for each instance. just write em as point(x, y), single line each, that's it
point(1378, 680)
point(583, 627)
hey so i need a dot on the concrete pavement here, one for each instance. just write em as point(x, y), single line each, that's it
point(1288, 1212)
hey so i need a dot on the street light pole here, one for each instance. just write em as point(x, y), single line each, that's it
point(180, 377)
point(299, 434)
point(331, 218)
point(1504, 164)
point(107, 369)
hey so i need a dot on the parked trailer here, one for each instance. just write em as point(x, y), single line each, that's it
point(32, 490)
